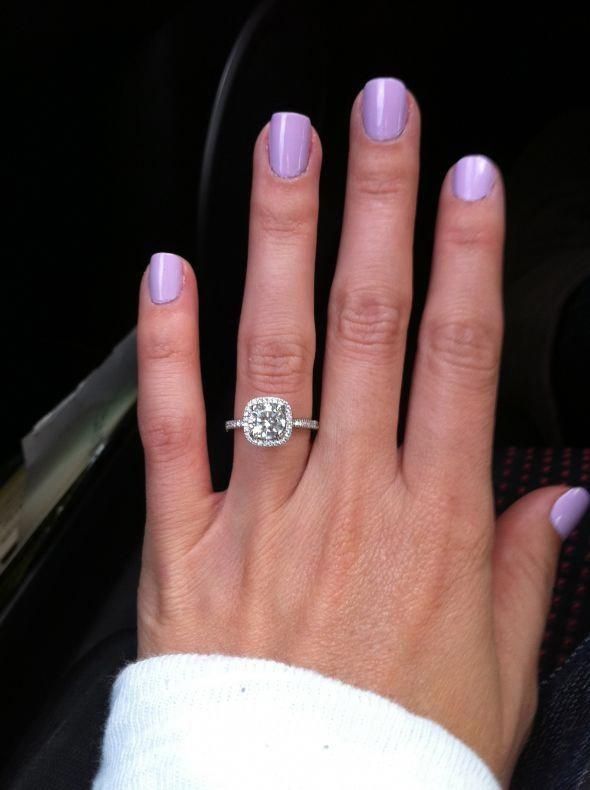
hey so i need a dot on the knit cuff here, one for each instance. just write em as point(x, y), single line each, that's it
point(221, 723)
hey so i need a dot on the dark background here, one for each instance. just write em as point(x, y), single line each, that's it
point(106, 109)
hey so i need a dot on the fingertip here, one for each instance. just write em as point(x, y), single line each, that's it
point(385, 111)
point(288, 149)
point(568, 509)
point(167, 281)
point(473, 179)
point(534, 507)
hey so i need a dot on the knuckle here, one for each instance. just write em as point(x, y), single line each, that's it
point(285, 220)
point(470, 346)
point(281, 364)
point(381, 182)
point(167, 347)
point(167, 436)
point(368, 322)
point(448, 510)
point(465, 234)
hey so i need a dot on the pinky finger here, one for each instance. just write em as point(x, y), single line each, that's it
point(170, 403)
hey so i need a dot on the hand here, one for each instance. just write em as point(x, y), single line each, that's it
point(383, 567)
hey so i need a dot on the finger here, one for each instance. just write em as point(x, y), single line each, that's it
point(276, 343)
point(170, 401)
point(452, 404)
point(371, 295)
point(527, 545)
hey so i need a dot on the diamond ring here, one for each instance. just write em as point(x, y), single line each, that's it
point(268, 422)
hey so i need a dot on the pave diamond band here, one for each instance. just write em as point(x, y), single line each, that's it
point(269, 422)
point(312, 425)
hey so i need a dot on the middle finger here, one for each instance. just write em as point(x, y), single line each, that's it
point(371, 295)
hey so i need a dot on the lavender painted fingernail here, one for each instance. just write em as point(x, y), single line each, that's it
point(165, 277)
point(568, 511)
point(384, 108)
point(473, 177)
point(289, 143)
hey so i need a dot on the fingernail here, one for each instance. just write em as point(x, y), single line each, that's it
point(567, 512)
point(165, 277)
point(473, 177)
point(384, 108)
point(289, 143)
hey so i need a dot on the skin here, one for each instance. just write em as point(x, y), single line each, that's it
point(382, 566)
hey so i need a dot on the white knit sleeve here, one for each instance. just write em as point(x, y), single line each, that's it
point(224, 723)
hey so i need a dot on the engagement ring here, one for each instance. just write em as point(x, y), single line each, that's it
point(269, 422)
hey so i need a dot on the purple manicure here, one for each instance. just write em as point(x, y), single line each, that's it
point(165, 277)
point(384, 108)
point(567, 512)
point(289, 142)
point(473, 177)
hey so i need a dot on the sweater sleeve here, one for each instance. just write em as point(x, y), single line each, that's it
point(221, 723)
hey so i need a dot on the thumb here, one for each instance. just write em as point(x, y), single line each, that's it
point(527, 545)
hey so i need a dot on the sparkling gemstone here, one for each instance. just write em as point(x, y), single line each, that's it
point(268, 420)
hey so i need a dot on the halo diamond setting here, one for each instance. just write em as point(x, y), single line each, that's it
point(269, 422)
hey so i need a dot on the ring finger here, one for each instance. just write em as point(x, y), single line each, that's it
point(276, 342)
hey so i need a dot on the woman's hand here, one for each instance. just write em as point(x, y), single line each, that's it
point(383, 567)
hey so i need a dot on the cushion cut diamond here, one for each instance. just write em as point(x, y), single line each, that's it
point(268, 421)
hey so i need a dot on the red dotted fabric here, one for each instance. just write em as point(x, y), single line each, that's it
point(519, 470)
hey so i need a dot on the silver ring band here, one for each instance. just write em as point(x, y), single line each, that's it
point(311, 425)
